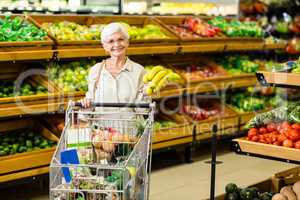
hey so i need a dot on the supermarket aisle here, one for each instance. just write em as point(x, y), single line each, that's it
point(173, 179)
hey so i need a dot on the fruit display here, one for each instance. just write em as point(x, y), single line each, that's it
point(23, 140)
point(18, 29)
point(249, 102)
point(288, 192)
point(158, 77)
point(66, 30)
point(7, 89)
point(70, 76)
point(196, 72)
point(237, 64)
point(149, 31)
point(288, 112)
point(235, 28)
point(233, 192)
point(281, 134)
point(202, 111)
point(162, 124)
point(293, 46)
point(195, 27)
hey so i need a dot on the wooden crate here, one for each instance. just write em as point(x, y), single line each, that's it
point(168, 21)
point(52, 122)
point(227, 124)
point(268, 150)
point(263, 186)
point(14, 72)
point(38, 20)
point(285, 178)
point(27, 160)
point(140, 21)
point(21, 46)
point(179, 134)
point(279, 78)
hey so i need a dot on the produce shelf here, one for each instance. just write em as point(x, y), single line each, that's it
point(280, 79)
point(26, 55)
point(273, 152)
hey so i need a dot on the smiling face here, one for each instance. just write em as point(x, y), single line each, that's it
point(116, 44)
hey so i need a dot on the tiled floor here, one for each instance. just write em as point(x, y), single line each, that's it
point(174, 180)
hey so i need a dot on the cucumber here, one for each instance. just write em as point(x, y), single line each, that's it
point(232, 196)
point(230, 188)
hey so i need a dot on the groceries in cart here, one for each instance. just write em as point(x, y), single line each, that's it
point(102, 158)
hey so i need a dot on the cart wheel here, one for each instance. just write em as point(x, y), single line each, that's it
point(188, 154)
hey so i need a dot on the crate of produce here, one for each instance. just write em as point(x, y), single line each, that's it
point(70, 78)
point(204, 113)
point(195, 68)
point(17, 85)
point(190, 29)
point(274, 134)
point(70, 30)
point(171, 130)
point(143, 30)
point(19, 34)
point(251, 101)
point(85, 31)
point(25, 144)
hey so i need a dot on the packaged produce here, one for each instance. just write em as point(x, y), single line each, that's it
point(18, 29)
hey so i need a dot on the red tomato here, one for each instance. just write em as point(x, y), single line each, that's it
point(262, 141)
point(276, 143)
point(285, 125)
point(254, 130)
point(255, 138)
point(249, 138)
point(294, 135)
point(271, 127)
point(261, 137)
point(274, 138)
point(263, 130)
point(288, 143)
point(297, 144)
point(296, 126)
point(251, 134)
point(268, 140)
point(281, 138)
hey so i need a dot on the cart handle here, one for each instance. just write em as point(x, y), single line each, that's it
point(127, 105)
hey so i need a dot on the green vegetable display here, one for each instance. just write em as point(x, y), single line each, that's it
point(235, 28)
point(289, 112)
point(7, 89)
point(70, 76)
point(23, 140)
point(17, 29)
point(236, 64)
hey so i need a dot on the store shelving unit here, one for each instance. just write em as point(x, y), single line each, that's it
point(162, 139)
point(273, 152)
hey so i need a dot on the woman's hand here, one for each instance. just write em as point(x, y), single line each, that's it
point(86, 103)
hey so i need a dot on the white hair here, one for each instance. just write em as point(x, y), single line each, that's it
point(112, 28)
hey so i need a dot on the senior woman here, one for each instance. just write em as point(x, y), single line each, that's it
point(116, 79)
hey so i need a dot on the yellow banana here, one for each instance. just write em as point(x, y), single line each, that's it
point(150, 75)
point(173, 77)
point(149, 91)
point(162, 83)
point(159, 76)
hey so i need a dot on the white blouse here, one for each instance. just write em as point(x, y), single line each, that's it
point(125, 87)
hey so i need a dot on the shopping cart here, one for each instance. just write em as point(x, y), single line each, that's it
point(100, 157)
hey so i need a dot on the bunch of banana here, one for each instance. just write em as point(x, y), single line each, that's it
point(158, 77)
